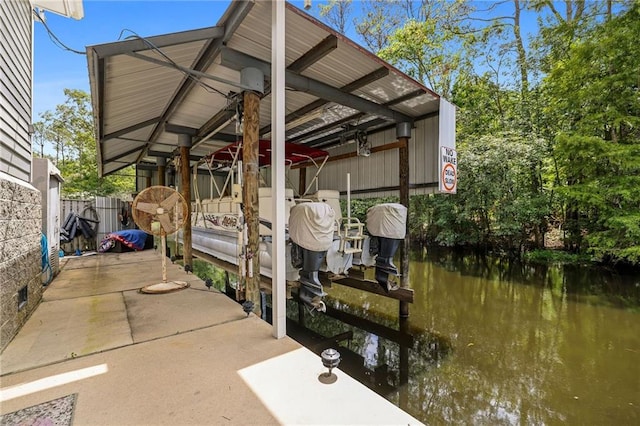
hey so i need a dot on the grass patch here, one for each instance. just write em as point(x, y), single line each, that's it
point(556, 257)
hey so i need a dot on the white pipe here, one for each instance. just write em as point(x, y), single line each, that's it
point(348, 197)
point(278, 111)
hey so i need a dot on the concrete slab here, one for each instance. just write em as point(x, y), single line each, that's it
point(66, 329)
point(107, 273)
point(188, 357)
point(294, 388)
point(108, 258)
point(190, 378)
point(157, 315)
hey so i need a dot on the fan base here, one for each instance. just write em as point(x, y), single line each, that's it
point(167, 287)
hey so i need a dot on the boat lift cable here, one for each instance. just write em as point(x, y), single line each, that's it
point(197, 194)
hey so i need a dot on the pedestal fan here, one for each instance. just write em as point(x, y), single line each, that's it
point(160, 211)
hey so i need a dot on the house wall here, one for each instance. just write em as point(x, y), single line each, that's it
point(15, 88)
point(20, 203)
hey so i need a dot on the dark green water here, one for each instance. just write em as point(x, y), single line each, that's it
point(491, 342)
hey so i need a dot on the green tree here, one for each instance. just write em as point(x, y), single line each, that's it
point(430, 46)
point(379, 20)
point(498, 204)
point(595, 103)
point(336, 13)
point(70, 130)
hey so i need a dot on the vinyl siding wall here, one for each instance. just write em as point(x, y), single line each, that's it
point(381, 169)
point(15, 88)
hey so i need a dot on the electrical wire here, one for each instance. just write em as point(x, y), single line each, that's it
point(55, 38)
point(172, 63)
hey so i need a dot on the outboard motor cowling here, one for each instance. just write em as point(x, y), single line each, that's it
point(387, 222)
point(311, 227)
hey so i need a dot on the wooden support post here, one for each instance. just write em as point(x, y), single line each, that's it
point(185, 172)
point(162, 168)
point(403, 155)
point(302, 180)
point(147, 181)
point(250, 166)
point(403, 397)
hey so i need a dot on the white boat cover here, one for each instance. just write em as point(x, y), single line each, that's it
point(387, 220)
point(337, 262)
point(311, 225)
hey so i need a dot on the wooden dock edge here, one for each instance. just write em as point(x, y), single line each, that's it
point(401, 294)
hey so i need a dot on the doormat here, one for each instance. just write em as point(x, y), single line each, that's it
point(57, 412)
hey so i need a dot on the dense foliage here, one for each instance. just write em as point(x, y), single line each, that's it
point(548, 118)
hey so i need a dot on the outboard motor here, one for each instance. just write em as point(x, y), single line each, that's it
point(311, 227)
point(387, 223)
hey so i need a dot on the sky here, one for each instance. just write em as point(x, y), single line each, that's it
point(107, 21)
point(56, 68)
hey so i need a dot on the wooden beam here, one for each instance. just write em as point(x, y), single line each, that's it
point(380, 148)
point(185, 186)
point(403, 160)
point(401, 294)
point(265, 282)
point(403, 338)
point(250, 166)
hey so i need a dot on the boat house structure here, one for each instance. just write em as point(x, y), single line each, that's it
point(267, 71)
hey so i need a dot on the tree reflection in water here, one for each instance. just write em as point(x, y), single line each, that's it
point(376, 350)
point(493, 342)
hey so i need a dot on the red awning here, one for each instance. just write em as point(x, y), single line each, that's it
point(294, 153)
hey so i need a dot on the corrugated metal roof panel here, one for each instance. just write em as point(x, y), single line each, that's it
point(129, 92)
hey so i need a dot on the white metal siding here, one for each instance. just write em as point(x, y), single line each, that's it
point(382, 169)
point(108, 210)
point(15, 88)
point(53, 223)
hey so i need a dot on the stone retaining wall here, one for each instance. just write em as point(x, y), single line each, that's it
point(20, 254)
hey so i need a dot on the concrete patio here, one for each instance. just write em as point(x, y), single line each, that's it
point(187, 357)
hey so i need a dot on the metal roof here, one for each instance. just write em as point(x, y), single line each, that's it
point(145, 91)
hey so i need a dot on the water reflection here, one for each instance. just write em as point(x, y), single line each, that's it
point(492, 342)
point(500, 343)
point(374, 350)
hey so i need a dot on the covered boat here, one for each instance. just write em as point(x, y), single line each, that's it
point(318, 237)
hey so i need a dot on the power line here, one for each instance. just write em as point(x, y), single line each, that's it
point(55, 38)
point(173, 64)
